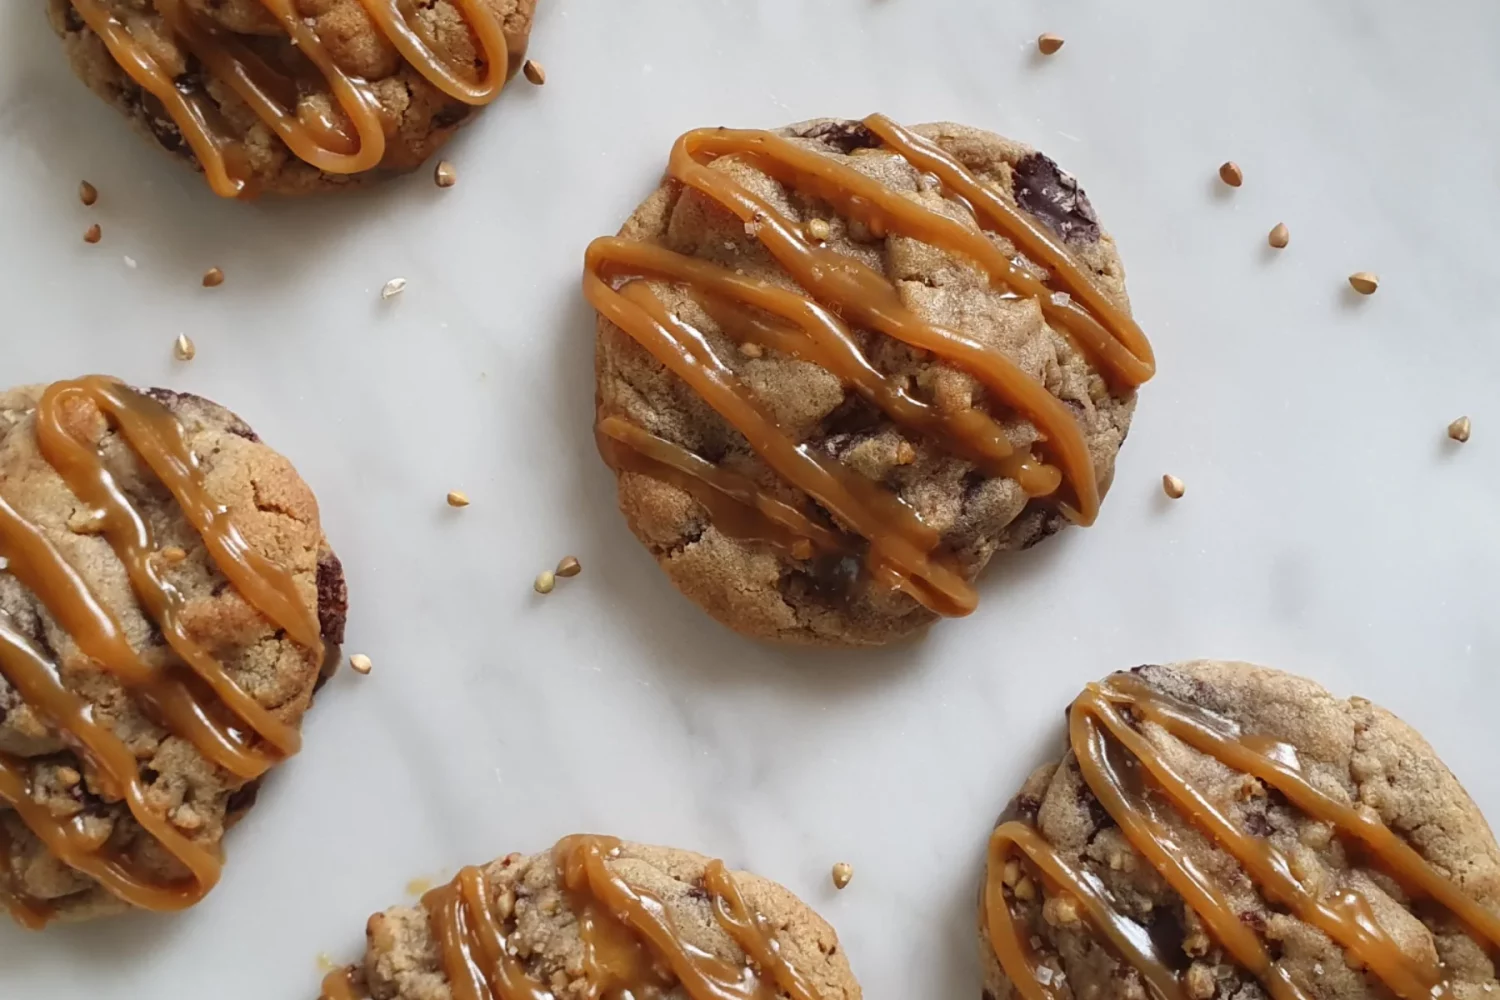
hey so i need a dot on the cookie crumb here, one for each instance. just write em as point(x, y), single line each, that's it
point(569, 566)
point(1200, 981)
point(184, 349)
point(1231, 174)
point(87, 193)
point(326, 962)
point(213, 277)
point(445, 175)
point(1060, 911)
point(129, 261)
point(1280, 236)
point(393, 288)
point(545, 581)
point(93, 234)
point(905, 453)
point(842, 873)
point(752, 350)
point(1049, 43)
point(1173, 487)
point(458, 498)
point(820, 230)
point(1460, 429)
point(1364, 282)
point(534, 72)
point(418, 886)
point(360, 663)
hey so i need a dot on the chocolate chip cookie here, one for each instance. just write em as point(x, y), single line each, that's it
point(167, 606)
point(842, 364)
point(595, 917)
point(1219, 830)
point(295, 96)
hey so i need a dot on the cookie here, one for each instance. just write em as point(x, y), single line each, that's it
point(841, 365)
point(595, 917)
point(167, 606)
point(1219, 830)
point(295, 96)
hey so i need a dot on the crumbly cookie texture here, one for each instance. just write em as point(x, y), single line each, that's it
point(418, 117)
point(276, 513)
point(402, 960)
point(749, 586)
point(1350, 749)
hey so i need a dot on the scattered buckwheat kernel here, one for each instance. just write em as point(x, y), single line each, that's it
point(1280, 236)
point(1049, 43)
point(213, 277)
point(184, 348)
point(87, 193)
point(458, 498)
point(1460, 429)
point(1025, 889)
point(1364, 282)
point(751, 349)
point(360, 663)
point(1231, 174)
point(1173, 487)
point(534, 72)
point(802, 549)
point(545, 581)
point(445, 175)
point(842, 873)
point(393, 288)
point(93, 234)
point(68, 776)
point(819, 229)
point(173, 554)
point(569, 566)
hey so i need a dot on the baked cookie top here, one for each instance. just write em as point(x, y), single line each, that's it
point(842, 364)
point(295, 96)
point(167, 599)
point(596, 917)
point(1219, 830)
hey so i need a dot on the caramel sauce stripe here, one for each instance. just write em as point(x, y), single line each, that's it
point(318, 139)
point(815, 326)
point(186, 697)
point(1117, 762)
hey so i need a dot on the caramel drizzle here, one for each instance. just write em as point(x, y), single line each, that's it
point(630, 946)
point(319, 139)
point(188, 698)
point(1127, 777)
point(816, 326)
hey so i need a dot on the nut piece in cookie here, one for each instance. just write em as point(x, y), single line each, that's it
point(167, 608)
point(1224, 830)
point(677, 924)
point(299, 104)
point(841, 365)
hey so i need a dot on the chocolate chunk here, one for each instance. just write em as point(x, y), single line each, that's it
point(333, 598)
point(846, 136)
point(450, 114)
point(241, 800)
point(1054, 197)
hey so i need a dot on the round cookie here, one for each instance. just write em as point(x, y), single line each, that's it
point(949, 343)
point(413, 106)
point(111, 794)
point(539, 903)
point(1332, 855)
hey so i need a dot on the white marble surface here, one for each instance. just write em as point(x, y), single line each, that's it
point(1329, 528)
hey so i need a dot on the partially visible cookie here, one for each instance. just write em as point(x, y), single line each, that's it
point(1219, 830)
point(339, 103)
point(596, 917)
point(843, 364)
point(159, 643)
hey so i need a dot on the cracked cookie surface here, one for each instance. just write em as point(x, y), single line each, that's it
point(766, 592)
point(277, 516)
point(1356, 754)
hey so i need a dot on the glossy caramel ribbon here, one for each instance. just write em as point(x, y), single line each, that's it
point(815, 324)
point(1129, 777)
point(192, 697)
